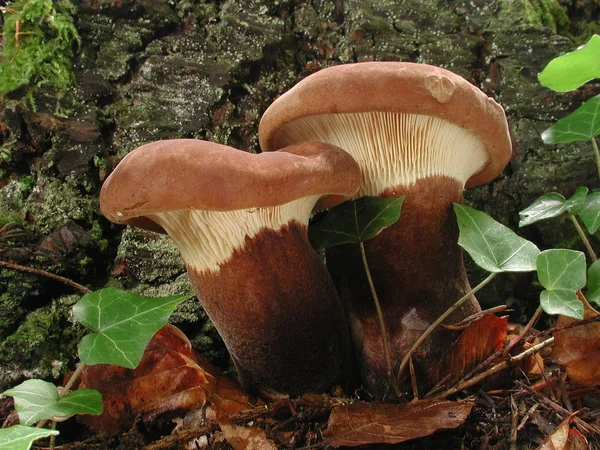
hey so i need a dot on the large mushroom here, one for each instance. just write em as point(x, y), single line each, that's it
point(240, 222)
point(415, 130)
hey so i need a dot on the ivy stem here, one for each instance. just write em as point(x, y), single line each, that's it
point(583, 237)
point(597, 153)
point(53, 436)
point(386, 345)
point(65, 390)
point(439, 320)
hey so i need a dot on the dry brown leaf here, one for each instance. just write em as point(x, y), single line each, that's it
point(363, 423)
point(577, 441)
point(170, 378)
point(245, 438)
point(578, 349)
point(558, 439)
point(565, 438)
point(477, 342)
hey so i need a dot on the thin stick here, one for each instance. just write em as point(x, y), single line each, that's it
point(497, 368)
point(514, 410)
point(582, 235)
point(386, 345)
point(439, 320)
point(529, 326)
point(597, 153)
point(43, 273)
point(556, 407)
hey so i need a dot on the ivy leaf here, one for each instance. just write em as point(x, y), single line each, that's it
point(122, 323)
point(589, 212)
point(20, 437)
point(36, 400)
point(563, 302)
point(561, 272)
point(569, 71)
point(582, 124)
point(355, 221)
point(493, 246)
point(551, 205)
point(593, 291)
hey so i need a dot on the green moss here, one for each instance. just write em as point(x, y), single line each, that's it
point(43, 345)
point(54, 202)
point(149, 258)
point(97, 234)
point(12, 200)
point(39, 43)
point(543, 13)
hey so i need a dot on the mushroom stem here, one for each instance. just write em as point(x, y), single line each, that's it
point(384, 334)
point(417, 271)
point(440, 320)
point(271, 300)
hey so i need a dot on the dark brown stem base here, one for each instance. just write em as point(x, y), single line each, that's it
point(418, 273)
point(278, 313)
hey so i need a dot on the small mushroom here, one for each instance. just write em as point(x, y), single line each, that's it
point(415, 130)
point(240, 221)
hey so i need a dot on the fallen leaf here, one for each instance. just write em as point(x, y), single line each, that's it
point(558, 439)
point(578, 348)
point(565, 438)
point(577, 441)
point(476, 343)
point(363, 423)
point(245, 438)
point(170, 378)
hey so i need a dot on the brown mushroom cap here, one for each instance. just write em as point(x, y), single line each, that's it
point(189, 174)
point(398, 88)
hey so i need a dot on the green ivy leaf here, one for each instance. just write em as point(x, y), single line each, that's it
point(563, 302)
point(493, 246)
point(589, 212)
point(569, 71)
point(561, 272)
point(582, 124)
point(551, 205)
point(36, 400)
point(593, 291)
point(20, 437)
point(122, 323)
point(562, 269)
point(355, 221)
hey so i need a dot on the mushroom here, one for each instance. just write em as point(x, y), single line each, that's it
point(415, 130)
point(240, 223)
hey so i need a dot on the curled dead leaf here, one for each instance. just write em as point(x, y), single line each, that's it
point(170, 379)
point(476, 343)
point(363, 423)
point(565, 438)
point(578, 348)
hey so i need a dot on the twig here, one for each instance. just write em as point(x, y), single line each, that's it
point(473, 317)
point(556, 407)
point(439, 320)
point(497, 368)
point(526, 328)
point(386, 344)
point(43, 273)
point(514, 409)
point(578, 323)
point(586, 241)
